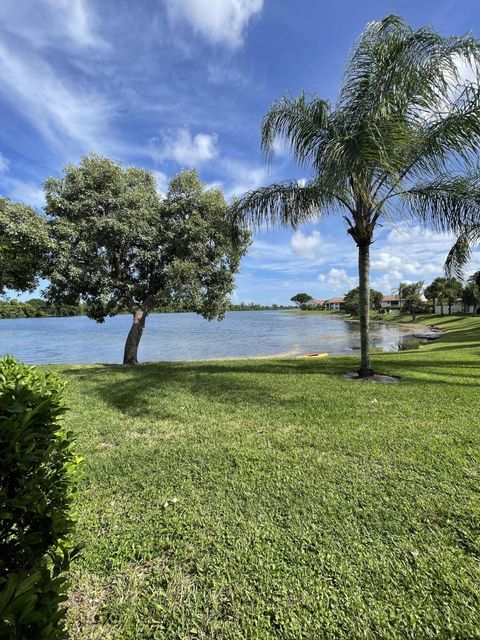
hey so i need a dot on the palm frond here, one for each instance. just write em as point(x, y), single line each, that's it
point(300, 122)
point(448, 135)
point(287, 204)
point(399, 87)
point(446, 203)
point(458, 257)
point(461, 252)
point(394, 68)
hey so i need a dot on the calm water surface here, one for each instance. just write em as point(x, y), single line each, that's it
point(186, 336)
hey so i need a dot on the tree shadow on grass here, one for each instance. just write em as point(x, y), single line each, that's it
point(149, 389)
point(140, 390)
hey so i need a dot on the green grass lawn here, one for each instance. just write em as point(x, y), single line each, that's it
point(273, 499)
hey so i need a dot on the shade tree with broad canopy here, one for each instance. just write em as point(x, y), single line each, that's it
point(119, 246)
point(301, 299)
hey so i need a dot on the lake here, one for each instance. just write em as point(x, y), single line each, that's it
point(186, 336)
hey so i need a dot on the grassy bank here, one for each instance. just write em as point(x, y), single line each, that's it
point(273, 499)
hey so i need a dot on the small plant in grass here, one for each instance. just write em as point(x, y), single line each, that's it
point(37, 469)
point(407, 344)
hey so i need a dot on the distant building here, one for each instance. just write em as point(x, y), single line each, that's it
point(457, 307)
point(391, 304)
point(335, 304)
point(315, 304)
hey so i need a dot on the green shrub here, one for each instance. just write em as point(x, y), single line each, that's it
point(37, 466)
point(407, 344)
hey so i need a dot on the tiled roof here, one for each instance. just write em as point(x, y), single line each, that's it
point(391, 298)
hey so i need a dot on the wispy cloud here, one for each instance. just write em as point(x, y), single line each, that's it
point(3, 163)
point(47, 23)
point(25, 191)
point(68, 113)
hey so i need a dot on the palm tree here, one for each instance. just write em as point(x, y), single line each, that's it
point(386, 149)
point(411, 295)
point(471, 292)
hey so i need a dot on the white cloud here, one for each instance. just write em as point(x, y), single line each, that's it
point(162, 181)
point(281, 148)
point(3, 163)
point(304, 245)
point(188, 150)
point(338, 280)
point(383, 261)
point(406, 235)
point(219, 21)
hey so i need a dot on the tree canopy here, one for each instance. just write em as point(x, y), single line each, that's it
point(402, 141)
point(434, 291)
point(301, 299)
point(444, 290)
point(23, 246)
point(120, 246)
point(411, 297)
point(352, 300)
point(471, 291)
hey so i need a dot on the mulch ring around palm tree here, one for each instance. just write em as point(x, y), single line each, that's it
point(375, 377)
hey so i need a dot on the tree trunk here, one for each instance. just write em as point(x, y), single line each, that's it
point(364, 306)
point(133, 338)
point(414, 314)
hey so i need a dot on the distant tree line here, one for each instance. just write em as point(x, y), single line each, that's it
point(253, 306)
point(37, 308)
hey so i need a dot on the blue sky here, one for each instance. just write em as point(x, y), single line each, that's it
point(172, 84)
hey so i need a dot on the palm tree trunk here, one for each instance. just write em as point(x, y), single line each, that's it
point(130, 355)
point(364, 307)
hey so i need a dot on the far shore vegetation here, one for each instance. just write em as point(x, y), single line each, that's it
point(40, 308)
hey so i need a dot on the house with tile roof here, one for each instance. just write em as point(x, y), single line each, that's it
point(315, 304)
point(335, 304)
point(391, 303)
